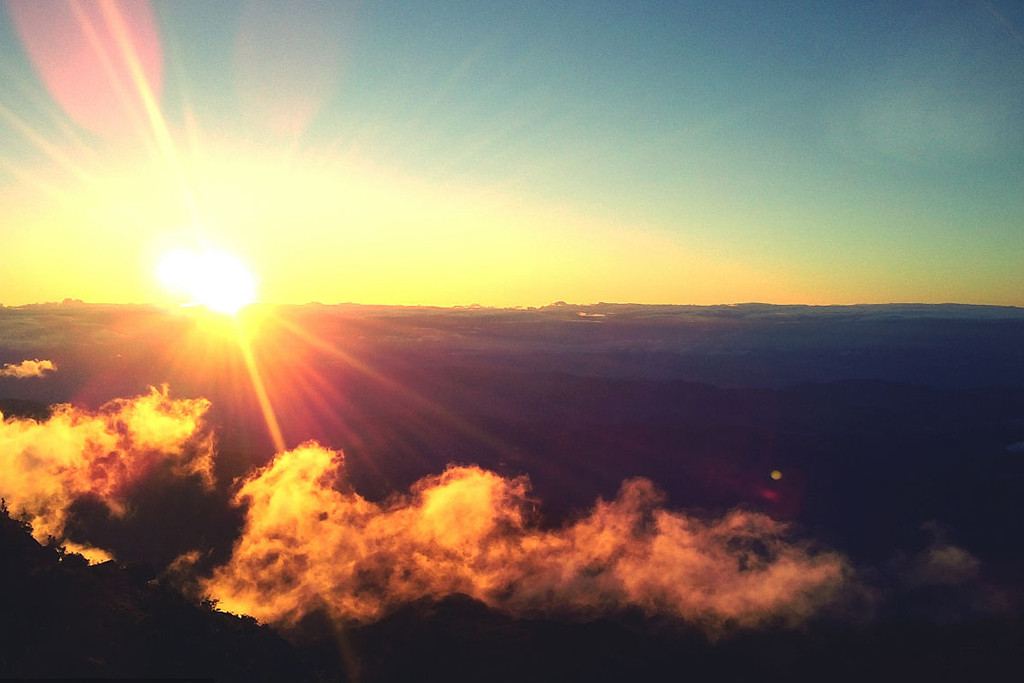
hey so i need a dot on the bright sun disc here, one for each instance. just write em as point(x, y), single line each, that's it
point(214, 279)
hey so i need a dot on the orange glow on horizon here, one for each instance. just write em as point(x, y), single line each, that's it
point(334, 218)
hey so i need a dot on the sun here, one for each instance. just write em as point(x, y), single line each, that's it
point(210, 278)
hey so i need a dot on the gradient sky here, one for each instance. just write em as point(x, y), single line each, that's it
point(517, 153)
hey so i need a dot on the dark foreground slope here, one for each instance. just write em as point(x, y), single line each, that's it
point(457, 640)
point(60, 617)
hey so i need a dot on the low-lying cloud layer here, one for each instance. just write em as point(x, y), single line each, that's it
point(309, 545)
point(309, 542)
point(47, 465)
point(28, 368)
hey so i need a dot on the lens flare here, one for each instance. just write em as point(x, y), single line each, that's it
point(101, 62)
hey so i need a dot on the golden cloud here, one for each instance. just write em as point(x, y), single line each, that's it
point(27, 368)
point(47, 465)
point(308, 545)
point(309, 542)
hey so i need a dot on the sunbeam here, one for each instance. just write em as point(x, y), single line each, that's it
point(154, 114)
point(266, 407)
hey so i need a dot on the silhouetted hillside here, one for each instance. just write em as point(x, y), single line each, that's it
point(60, 617)
point(63, 618)
point(458, 639)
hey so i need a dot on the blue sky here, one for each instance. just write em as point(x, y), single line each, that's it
point(837, 152)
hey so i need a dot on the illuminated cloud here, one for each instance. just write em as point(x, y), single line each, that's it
point(28, 368)
point(309, 543)
point(47, 465)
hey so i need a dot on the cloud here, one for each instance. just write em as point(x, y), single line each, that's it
point(943, 564)
point(48, 465)
point(309, 542)
point(28, 368)
point(946, 583)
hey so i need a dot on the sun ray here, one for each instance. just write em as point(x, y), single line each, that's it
point(105, 58)
point(266, 407)
point(433, 414)
point(47, 148)
point(158, 125)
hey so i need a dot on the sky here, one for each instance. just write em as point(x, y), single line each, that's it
point(517, 154)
